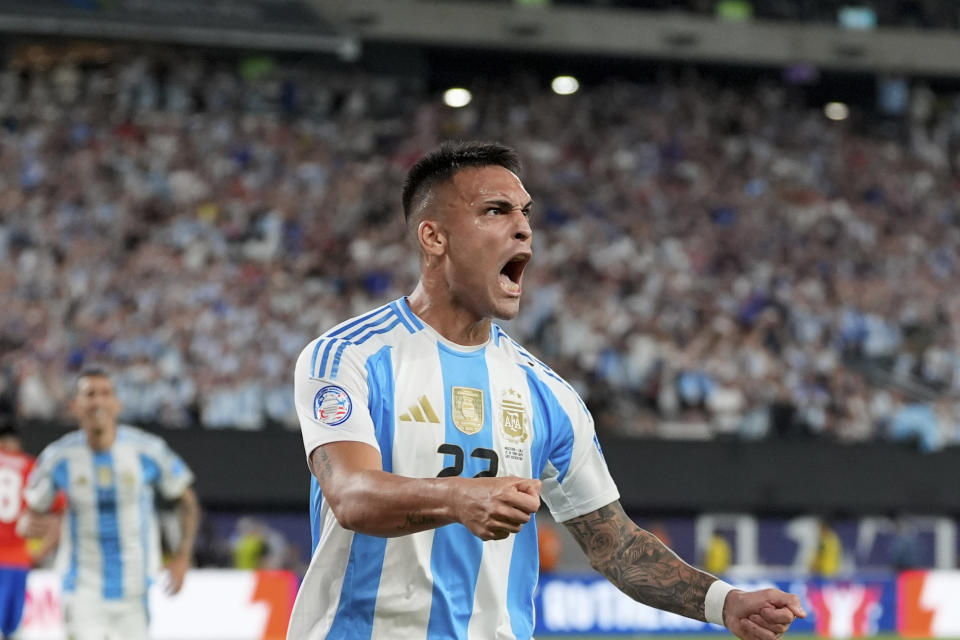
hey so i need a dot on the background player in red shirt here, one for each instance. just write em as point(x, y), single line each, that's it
point(16, 554)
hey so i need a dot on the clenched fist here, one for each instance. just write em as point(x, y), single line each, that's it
point(493, 508)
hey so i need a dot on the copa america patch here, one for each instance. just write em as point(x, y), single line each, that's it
point(332, 405)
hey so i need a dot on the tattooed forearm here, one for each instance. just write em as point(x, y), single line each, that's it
point(638, 563)
point(321, 464)
point(417, 521)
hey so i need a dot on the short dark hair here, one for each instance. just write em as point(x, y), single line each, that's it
point(444, 161)
point(8, 427)
point(90, 372)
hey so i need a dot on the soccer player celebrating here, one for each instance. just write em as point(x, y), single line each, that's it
point(432, 437)
point(110, 545)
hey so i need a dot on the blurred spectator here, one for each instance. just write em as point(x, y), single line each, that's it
point(211, 549)
point(550, 546)
point(249, 544)
point(256, 545)
point(711, 260)
point(827, 560)
point(905, 549)
point(718, 555)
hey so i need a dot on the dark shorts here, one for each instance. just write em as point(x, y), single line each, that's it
point(13, 592)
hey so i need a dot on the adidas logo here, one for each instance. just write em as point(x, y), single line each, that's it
point(420, 412)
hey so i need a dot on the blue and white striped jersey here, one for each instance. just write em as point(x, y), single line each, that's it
point(110, 542)
point(433, 408)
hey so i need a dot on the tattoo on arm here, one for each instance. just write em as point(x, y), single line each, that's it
point(416, 521)
point(638, 563)
point(321, 464)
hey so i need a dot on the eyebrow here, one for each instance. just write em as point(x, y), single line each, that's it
point(506, 204)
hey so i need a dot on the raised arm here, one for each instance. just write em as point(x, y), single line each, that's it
point(646, 570)
point(366, 499)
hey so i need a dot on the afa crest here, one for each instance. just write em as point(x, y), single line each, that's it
point(104, 476)
point(467, 409)
point(514, 417)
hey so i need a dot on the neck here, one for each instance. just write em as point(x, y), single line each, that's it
point(452, 321)
point(101, 439)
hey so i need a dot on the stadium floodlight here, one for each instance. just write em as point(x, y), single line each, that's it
point(836, 110)
point(565, 85)
point(457, 97)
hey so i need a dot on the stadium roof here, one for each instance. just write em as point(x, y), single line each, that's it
point(265, 24)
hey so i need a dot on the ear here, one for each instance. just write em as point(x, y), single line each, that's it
point(432, 238)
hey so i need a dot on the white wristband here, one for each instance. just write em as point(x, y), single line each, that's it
point(713, 602)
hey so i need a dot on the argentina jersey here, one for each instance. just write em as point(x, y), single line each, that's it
point(436, 409)
point(110, 543)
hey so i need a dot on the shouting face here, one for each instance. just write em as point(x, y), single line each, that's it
point(476, 232)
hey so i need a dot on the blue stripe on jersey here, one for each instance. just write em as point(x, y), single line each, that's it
point(541, 430)
point(380, 383)
point(341, 330)
point(149, 469)
point(108, 525)
point(313, 358)
point(316, 502)
point(407, 312)
point(525, 561)
point(336, 359)
point(456, 554)
point(61, 480)
point(150, 476)
point(522, 581)
point(323, 361)
point(406, 322)
point(381, 329)
point(146, 505)
point(361, 582)
point(61, 476)
point(549, 418)
point(364, 332)
point(370, 325)
point(70, 576)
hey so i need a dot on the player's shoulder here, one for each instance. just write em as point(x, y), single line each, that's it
point(358, 338)
point(538, 371)
point(66, 445)
point(139, 438)
point(516, 352)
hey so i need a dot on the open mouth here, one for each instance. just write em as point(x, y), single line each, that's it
point(512, 272)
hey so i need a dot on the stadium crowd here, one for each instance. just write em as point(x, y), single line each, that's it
point(708, 260)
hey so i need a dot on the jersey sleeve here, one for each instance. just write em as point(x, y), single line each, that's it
point(174, 476)
point(42, 487)
point(334, 407)
point(576, 479)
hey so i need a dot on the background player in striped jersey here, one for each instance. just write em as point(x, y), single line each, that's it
point(110, 543)
point(432, 437)
point(17, 554)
